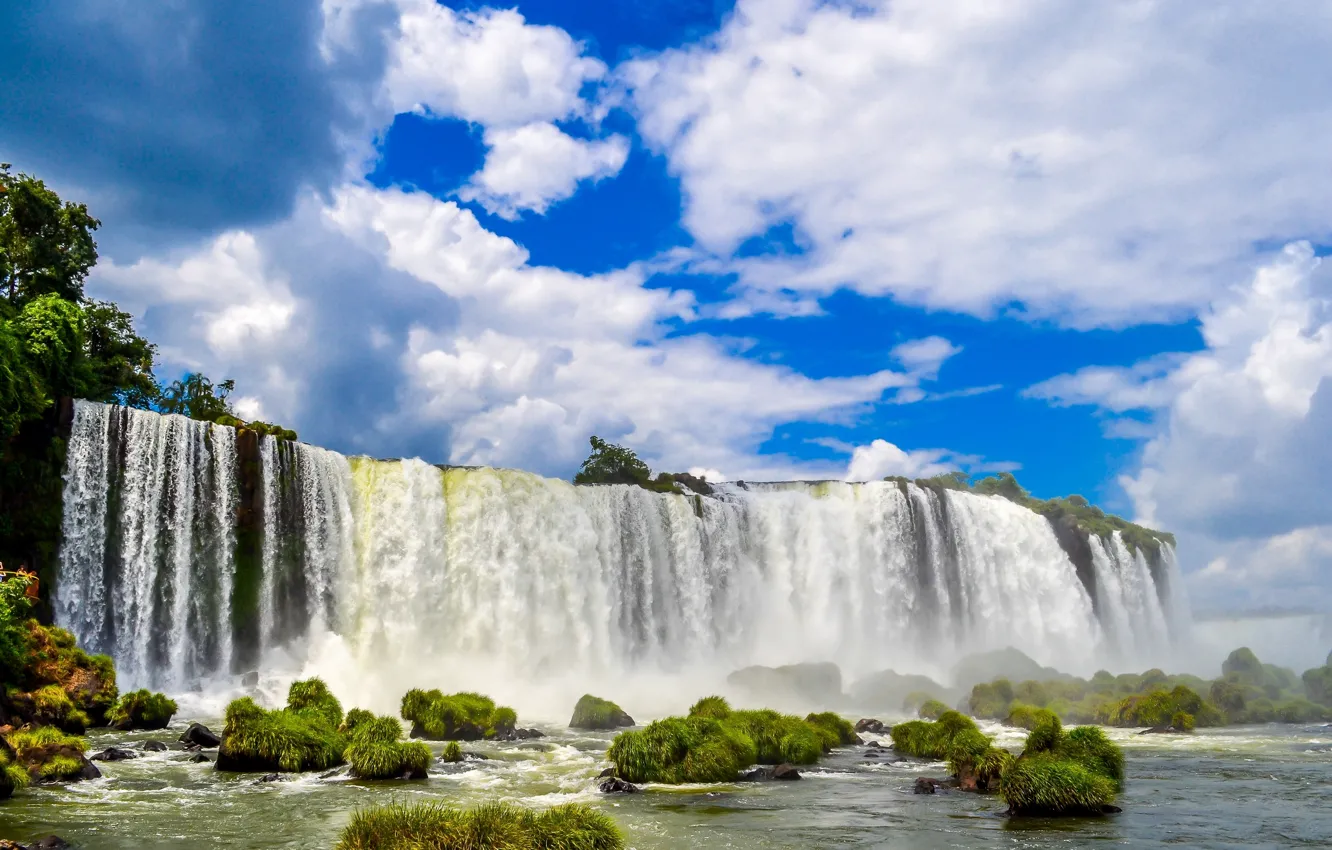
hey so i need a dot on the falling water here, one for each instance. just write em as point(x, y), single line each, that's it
point(239, 551)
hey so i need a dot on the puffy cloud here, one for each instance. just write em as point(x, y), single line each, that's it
point(1097, 163)
point(536, 165)
point(1237, 456)
point(487, 66)
point(881, 458)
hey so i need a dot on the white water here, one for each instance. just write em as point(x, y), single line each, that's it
point(379, 573)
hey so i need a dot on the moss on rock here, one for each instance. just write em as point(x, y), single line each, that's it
point(494, 826)
point(142, 709)
point(48, 754)
point(598, 714)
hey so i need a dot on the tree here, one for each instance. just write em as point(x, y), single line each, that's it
point(46, 245)
point(612, 464)
point(21, 396)
point(120, 361)
point(196, 397)
point(52, 331)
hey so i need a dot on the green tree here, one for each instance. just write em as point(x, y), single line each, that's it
point(197, 397)
point(52, 331)
point(21, 396)
point(612, 464)
point(46, 245)
point(120, 361)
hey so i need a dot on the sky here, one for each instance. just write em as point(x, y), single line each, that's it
point(765, 239)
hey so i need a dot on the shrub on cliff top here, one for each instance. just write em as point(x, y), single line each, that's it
point(142, 709)
point(599, 714)
point(462, 716)
point(377, 751)
point(494, 826)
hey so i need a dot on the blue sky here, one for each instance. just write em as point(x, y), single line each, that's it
point(774, 239)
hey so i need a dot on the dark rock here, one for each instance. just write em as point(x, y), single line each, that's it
point(870, 754)
point(618, 786)
point(200, 758)
point(1159, 730)
point(50, 842)
point(693, 482)
point(758, 774)
point(513, 735)
point(1108, 809)
point(271, 777)
point(154, 747)
point(250, 679)
point(859, 740)
point(89, 771)
point(200, 735)
point(113, 754)
point(874, 745)
point(785, 773)
point(607, 773)
point(925, 785)
point(527, 734)
point(471, 756)
point(869, 724)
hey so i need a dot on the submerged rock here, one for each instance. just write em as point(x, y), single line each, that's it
point(113, 754)
point(153, 747)
point(785, 773)
point(869, 724)
point(925, 785)
point(199, 735)
point(271, 777)
point(780, 773)
point(618, 786)
point(200, 758)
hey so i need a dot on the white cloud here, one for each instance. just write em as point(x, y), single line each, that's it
point(924, 356)
point(536, 165)
point(487, 66)
point(1095, 162)
point(881, 458)
point(1238, 452)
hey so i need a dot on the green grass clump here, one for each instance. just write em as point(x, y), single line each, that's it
point(28, 740)
point(354, 719)
point(778, 738)
point(45, 753)
point(60, 767)
point(1182, 721)
point(1045, 735)
point(12, 776)
point(714, 707)
point(462, 716)
point(835, 730)
point(142, 709)
point(51, 705)
point(313, 700)
point(1045, 784)
point(931, 740)
point(377, 751)
point(494, 826)
point(991, 700)
point(676, 750)
point(1022, 716)
point(286, 740)
point(1089, 746)
point(452, 753)
point(600, 714)
point(931, 710)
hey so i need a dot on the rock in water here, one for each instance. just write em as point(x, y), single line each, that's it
point(200, 758)
point(785, 773)
point(618, 786)
point(200, 735)
point(924, 785)
point(113, 754)
point(598, 714)
point(250, 679)
point(869, 724)
point(757, 774)
point(154, 747)
point(90, 771)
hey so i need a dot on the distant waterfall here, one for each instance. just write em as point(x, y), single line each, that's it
point(190, 553)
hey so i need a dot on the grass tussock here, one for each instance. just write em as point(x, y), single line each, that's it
point(452, 753)
point(377, 751)
point(714, 707)
point(1045, 784)
point(142, 709)
point(463, 716)
point(289, 740)
point(495, 826)
point(835, 730)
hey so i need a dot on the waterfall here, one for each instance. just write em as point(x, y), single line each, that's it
point(191, 552)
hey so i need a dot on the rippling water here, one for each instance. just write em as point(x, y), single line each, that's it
point(1244, 787)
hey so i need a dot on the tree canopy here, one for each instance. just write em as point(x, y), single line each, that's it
point(46, 245)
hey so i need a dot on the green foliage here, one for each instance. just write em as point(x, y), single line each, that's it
point(675, 750)
point(462, 716)
point(1244, 667)
point(494, 826)
point(1002, 484)
point(1318, 685)
point(14, 608)
point(835, 730)
point(1089, 746)
point(46, 244)
point(1046, 784)
point(931, 740)
point(778, 737)
point(1045, 735)
point(142, 709)
point(931, 709)
point(197, 397)
point(452, 753)
point(714, 707)
point(25, 741)
point(912, 702)
point(12, 776)
point(1022, 716)
point(52, 332)
point(312, 700)
point(991, 700)
point(354, 719)
point(61, 767)
point(612, 464)
point(120, 362)
point(377, 751)
point(1182, 721)
point(287, 740)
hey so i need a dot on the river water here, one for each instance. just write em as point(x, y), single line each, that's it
point(1268, 786)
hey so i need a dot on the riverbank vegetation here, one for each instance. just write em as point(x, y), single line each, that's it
point(1248, 691)
point(495, 826)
